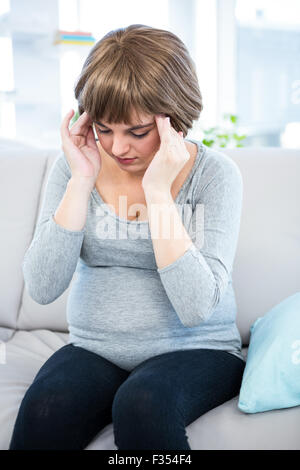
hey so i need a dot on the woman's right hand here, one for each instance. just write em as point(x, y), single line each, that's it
point(80, 147)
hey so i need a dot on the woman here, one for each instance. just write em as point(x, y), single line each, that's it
point(153, 341)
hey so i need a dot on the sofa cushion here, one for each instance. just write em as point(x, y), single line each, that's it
point(25, 354)
point(266, 268)
point(6, 333)
point(271, 378)
point(227, 428)
point(51, 316)
point(21, 168)
point(33, 315)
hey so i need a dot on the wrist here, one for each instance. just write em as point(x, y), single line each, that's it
point(81, 184)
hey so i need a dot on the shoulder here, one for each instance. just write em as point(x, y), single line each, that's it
point(217, 168)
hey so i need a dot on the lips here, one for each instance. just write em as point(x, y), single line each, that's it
point(125, 161)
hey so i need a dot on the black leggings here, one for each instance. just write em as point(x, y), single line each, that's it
point(76, 393)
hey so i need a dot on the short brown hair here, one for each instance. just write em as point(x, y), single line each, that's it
point(143, 69)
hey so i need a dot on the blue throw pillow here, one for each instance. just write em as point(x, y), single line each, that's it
point(271, 378)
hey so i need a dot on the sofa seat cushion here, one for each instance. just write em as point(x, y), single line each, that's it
point(25, 353)
point(228, 428)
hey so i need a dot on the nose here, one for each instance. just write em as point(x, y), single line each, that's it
point(120, 147)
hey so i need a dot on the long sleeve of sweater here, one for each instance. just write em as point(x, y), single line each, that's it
point(51, 258)
point(196, 282)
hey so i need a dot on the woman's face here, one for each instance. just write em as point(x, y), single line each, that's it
point(121, 141)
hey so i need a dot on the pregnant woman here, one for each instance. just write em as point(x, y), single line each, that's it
point(148, 221)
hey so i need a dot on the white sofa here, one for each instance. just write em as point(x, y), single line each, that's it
point(266, 270)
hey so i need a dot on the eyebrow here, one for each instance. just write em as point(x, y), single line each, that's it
point(131, 128)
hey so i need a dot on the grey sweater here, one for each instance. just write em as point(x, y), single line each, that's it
point(120, 305)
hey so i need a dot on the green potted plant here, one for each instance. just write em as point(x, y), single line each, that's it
point(224, 136)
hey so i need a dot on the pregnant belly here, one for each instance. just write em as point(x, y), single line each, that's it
point(114, 298)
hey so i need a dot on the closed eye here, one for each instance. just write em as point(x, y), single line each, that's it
point(138, 136)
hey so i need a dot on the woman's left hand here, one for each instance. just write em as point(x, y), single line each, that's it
point(168, 160)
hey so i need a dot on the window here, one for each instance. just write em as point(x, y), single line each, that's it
point(268, 71)
point(246, 54)
point(7, 85)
